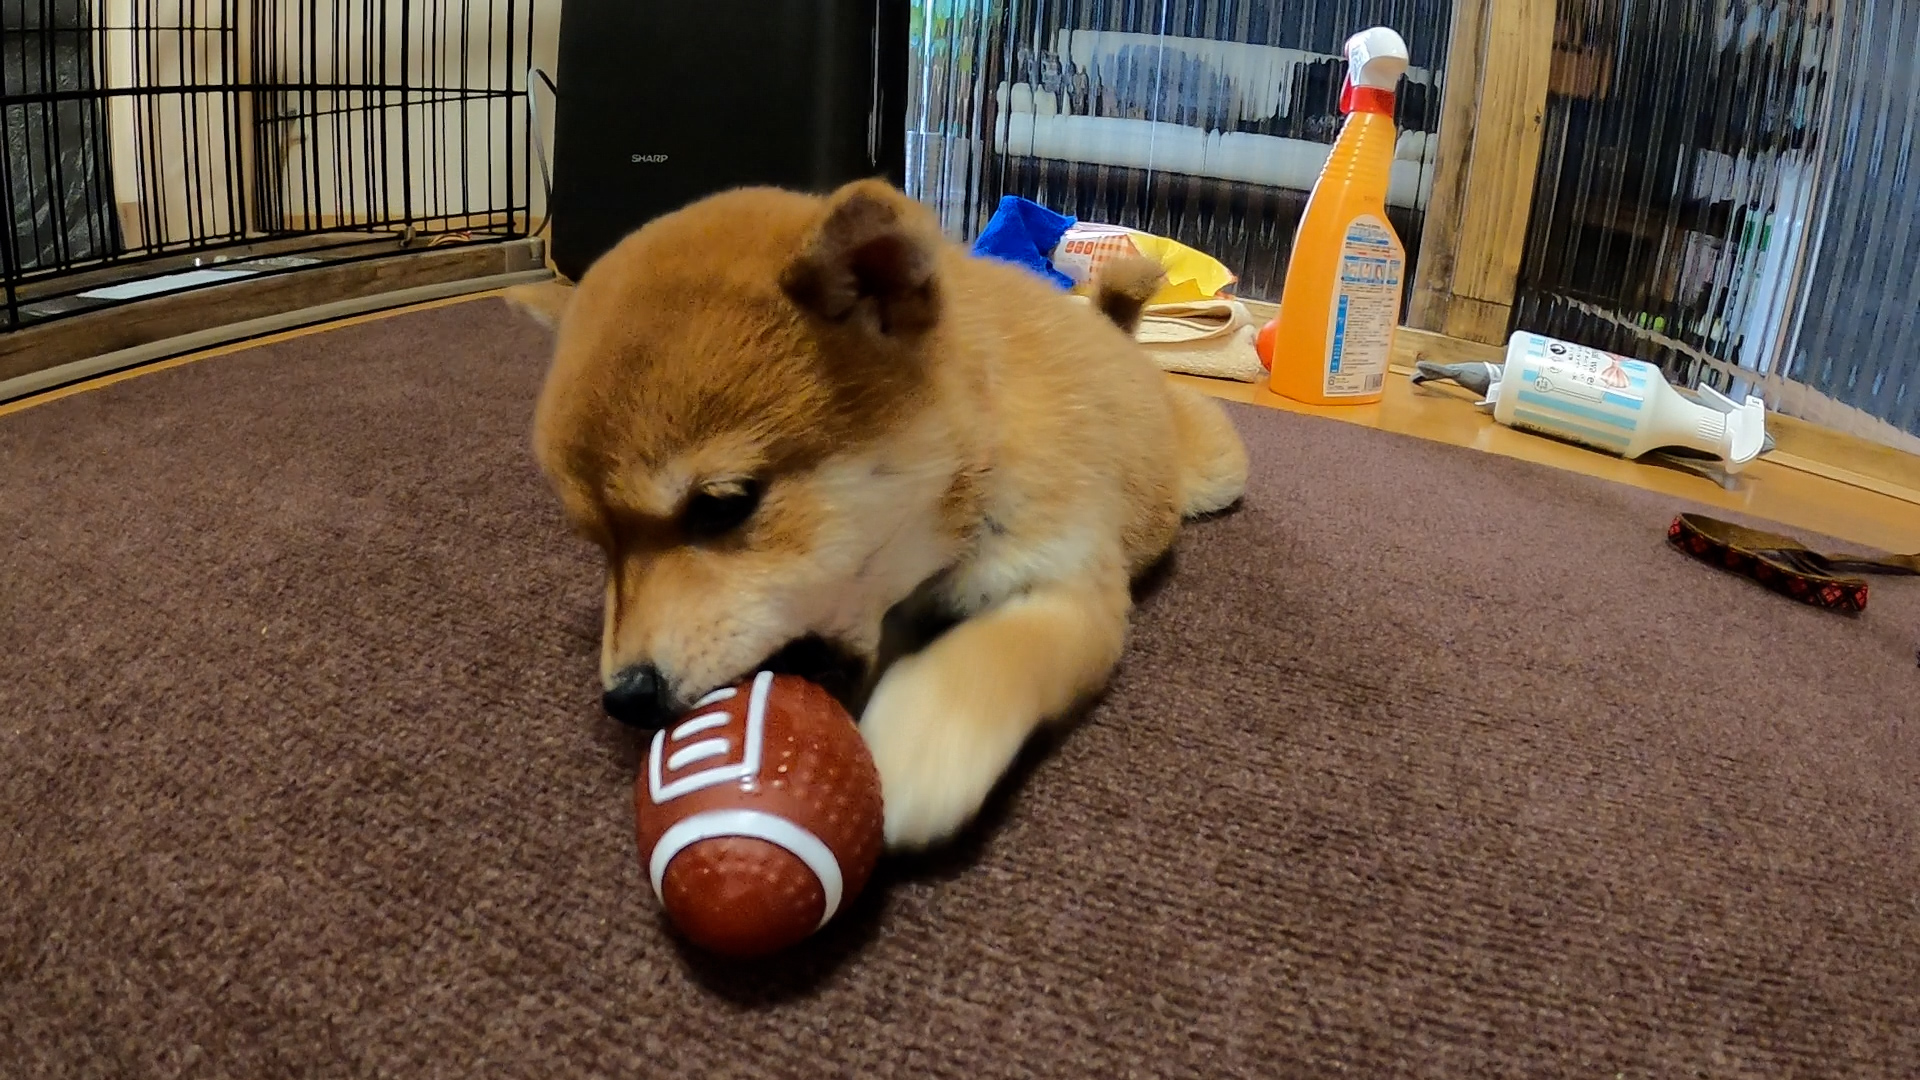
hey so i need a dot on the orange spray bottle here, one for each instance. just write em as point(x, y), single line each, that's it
point(1341, 300)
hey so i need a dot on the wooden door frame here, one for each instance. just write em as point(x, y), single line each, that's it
point(1500, 59)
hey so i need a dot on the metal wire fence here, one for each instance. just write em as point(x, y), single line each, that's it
point(136, 132)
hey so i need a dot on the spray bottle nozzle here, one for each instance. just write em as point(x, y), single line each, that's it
point(1476, 375)
point(1376, 58)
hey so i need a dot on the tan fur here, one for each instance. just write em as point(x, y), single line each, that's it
point(544, 301)
point(911, 411)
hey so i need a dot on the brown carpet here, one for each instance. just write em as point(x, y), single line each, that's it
point(1424, 763)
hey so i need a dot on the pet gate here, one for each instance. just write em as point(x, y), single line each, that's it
point(170, 147)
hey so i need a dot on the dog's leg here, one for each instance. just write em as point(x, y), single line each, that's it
point(945, 723)
point(1213, 460)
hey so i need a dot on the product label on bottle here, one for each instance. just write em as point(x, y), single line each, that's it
point(1366, 305)
point(1085, 248)
point(1574, 392)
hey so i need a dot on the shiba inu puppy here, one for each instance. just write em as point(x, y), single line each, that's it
point(784, 416)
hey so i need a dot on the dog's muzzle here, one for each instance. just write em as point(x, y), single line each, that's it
point(638, 697)
point(838, 671)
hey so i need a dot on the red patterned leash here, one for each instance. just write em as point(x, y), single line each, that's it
point(1784, 564)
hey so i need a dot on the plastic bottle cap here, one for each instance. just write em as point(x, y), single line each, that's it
point(1376, 58)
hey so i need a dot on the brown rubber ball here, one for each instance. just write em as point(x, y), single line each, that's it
point(759, 815)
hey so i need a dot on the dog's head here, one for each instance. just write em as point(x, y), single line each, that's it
point(736, 415)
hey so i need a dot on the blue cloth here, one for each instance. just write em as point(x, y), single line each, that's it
point(1025, 233)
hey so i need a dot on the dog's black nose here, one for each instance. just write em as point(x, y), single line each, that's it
point(638, 697)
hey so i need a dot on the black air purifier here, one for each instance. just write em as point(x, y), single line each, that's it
point(661, 103)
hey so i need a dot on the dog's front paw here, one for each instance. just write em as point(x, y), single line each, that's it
point(941, 742)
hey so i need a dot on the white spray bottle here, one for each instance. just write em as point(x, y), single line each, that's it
point(1620, 405)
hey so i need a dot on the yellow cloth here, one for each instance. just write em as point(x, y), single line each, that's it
point(1191, 276)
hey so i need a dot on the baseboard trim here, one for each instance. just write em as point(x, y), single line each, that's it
point(106, 363)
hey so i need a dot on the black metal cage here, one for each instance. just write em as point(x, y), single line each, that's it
point(189, 139)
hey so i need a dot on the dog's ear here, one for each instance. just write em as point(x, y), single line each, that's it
point(872, 258)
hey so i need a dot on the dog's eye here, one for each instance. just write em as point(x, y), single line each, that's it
point(717, 510)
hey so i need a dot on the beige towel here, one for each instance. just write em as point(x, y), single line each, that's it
point(1213, 338)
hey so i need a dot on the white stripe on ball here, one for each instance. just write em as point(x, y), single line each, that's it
point(759, 825)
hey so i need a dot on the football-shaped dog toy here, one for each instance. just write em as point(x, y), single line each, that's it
point(759, 815)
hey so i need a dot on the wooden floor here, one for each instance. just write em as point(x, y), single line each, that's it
point(1842, 492)
point(1838, 485)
